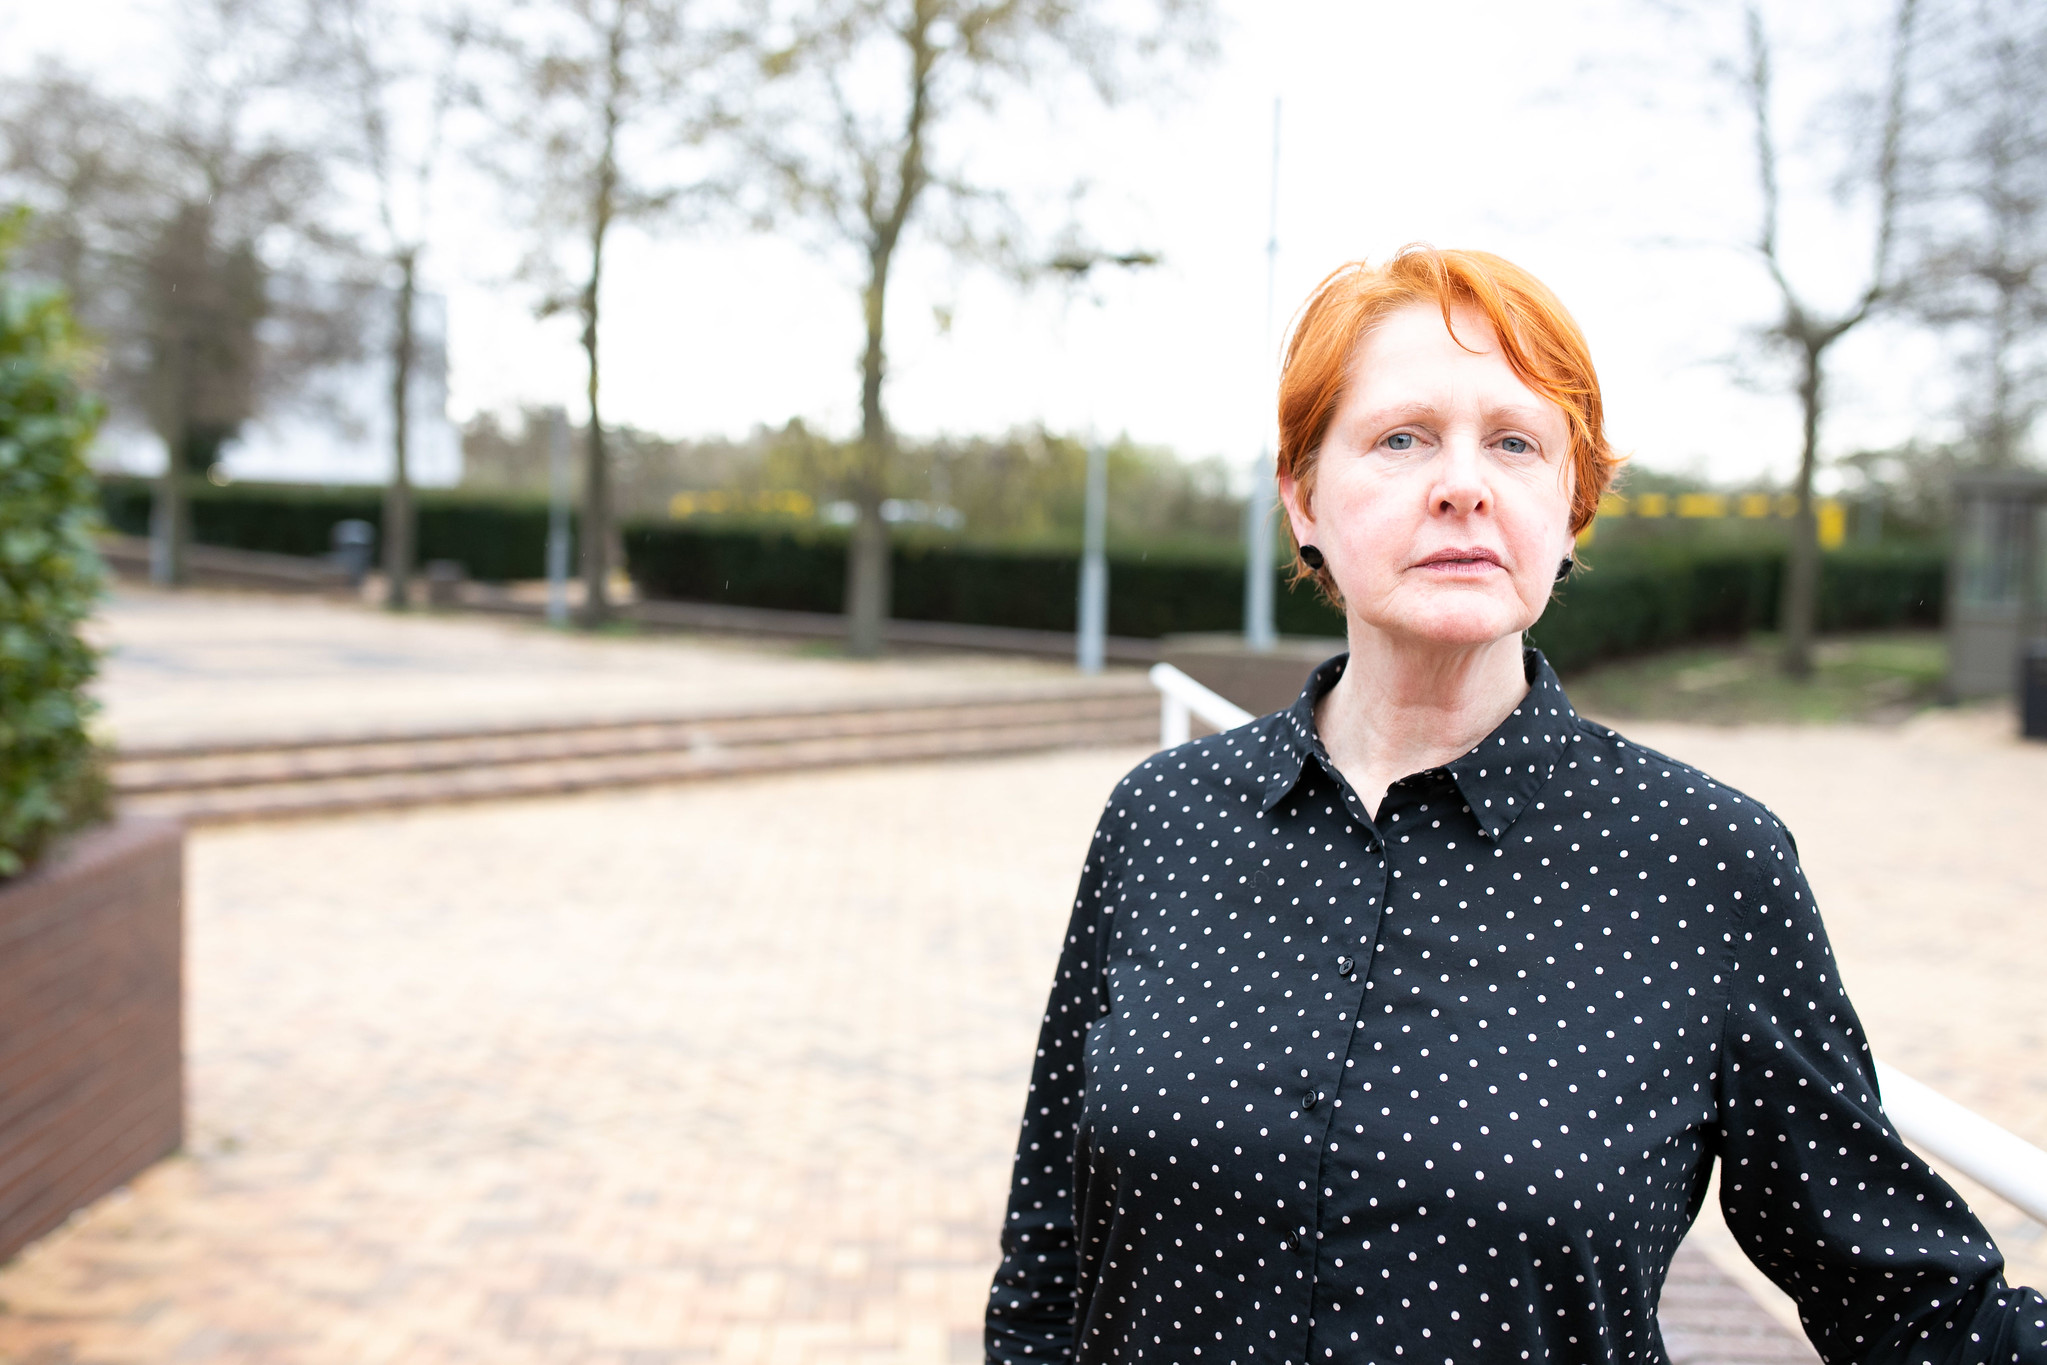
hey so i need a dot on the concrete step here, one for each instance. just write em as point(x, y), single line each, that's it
point(274, 780)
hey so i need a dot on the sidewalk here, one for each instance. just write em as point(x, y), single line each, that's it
point(718, 1073)
point(730, 1073)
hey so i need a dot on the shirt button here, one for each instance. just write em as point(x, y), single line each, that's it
point(1290, 1242)
point(1344, 966)
point(1309, 1099)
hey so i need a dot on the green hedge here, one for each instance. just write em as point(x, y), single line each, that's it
point(802, 569)
point(1633, 599)
point(51, 778)
point(1653, 598)
point(1628, 603)
point(495, 539)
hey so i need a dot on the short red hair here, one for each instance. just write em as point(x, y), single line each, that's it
point(1540, 340)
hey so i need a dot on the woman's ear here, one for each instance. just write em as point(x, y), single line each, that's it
point(1298, 514)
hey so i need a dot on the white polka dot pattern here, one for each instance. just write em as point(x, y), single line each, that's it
point(1447, 1086)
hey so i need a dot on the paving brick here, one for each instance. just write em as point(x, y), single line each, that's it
point(729, 1072)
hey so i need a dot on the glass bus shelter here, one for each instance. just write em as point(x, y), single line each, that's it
point(1997, 579)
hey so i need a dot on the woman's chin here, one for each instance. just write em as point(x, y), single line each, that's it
point(1452, 621)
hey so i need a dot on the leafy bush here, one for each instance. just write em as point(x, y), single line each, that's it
point(51, 779)
point(1643, 599)
point(1655, 597)
point(1637, 597)
point(804, 569)
point(497, 539)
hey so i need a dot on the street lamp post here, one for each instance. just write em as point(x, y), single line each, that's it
point(1090, 645)
point(1259, 634)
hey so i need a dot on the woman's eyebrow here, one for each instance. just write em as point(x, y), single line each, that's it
point(1396, 413)
point(1514, 414)
point(1499, 414)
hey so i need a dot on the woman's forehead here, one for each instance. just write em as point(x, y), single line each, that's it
point(1411, 367)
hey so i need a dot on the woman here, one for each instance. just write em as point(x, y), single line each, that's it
point(1408, 1023)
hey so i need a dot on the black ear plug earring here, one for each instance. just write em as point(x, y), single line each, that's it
point(1311, 556)
point(1564, 569)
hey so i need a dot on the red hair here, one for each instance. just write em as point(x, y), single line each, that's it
point(1538, 338)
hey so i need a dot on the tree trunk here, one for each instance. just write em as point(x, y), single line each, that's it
point(867, 553)
point(596, 532)
point(170, 511)
point(399, 526)
point(1800, 608)
point(596, 521)
point(2001, 433)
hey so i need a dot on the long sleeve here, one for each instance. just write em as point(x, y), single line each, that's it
point(1032, 1303)
point(1885, 1260)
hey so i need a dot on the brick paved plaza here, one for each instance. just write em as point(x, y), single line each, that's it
point(720, 1073)
point(729, 1072)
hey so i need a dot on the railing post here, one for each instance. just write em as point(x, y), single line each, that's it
point(1175, 722)
point(1181, 699)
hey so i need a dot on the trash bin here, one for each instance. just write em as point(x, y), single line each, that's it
point(444, 580)
point(354, 542)
point(2033, 691)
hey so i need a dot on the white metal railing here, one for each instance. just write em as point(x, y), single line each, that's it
point(1181, 699)
point(2000, 1161)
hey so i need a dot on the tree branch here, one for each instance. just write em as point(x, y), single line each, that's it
point(1756, 84)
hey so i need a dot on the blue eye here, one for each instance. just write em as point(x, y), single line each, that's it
point(1514, 445)
point(1400, 441)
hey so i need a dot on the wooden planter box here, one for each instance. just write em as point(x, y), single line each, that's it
point(92, 1086)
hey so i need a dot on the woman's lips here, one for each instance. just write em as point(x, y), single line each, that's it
point(1472, 561)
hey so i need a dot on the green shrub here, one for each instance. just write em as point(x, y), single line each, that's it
point(1636, 598)
point(497, 539)
point(804, 569)
point(1655, 597)
point(51, 779)
point(1878, 588)
point(1632, 601)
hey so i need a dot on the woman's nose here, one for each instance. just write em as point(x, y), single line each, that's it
point(1460, 487)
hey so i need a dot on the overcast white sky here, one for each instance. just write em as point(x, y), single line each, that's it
point(1586, 139)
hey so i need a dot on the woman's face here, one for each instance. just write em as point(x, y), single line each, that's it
point(1442, 494)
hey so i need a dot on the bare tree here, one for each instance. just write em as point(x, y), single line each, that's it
point(1803, 328)
point(81, 160)
point(157, 218)
point(394, 74)
point(1979, 248)
point(205, 294)
point(611, 98)
point(860, 152)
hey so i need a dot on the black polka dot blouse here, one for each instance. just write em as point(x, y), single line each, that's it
point(1447, 1085)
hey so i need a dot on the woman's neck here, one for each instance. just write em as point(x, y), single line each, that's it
point(1399, 709)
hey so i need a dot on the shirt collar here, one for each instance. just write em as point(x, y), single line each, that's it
point(1498, 778)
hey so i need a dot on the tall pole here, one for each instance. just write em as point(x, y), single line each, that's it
point(559, 476)
point(1091, 630)
point(1259, 634)
point(1094, 562)
point(398, 520)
